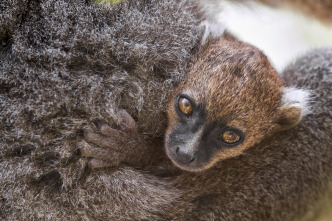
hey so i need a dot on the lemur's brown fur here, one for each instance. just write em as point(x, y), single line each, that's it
point(237, 88)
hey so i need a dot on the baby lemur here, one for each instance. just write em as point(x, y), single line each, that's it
point(234, 115)
point(218, 121)
point(231, 99)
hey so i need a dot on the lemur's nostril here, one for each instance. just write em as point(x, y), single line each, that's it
point(192, 159)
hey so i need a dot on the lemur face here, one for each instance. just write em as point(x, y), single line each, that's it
point(193, 142)
point(228, 103)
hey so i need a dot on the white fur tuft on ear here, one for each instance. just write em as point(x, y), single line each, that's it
point(295, 97)
point(211, 30)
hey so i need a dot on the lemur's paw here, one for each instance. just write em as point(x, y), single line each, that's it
point(108, 147)
point(98, 157)
point(126, 121)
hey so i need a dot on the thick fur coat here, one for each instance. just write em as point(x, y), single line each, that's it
point(66, 64)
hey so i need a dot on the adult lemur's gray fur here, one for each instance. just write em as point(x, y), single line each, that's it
point(66, 64)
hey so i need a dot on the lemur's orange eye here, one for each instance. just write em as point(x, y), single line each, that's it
point(230, 137)
point(185, 106)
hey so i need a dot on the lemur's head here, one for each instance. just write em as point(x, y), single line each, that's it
point(231, 99)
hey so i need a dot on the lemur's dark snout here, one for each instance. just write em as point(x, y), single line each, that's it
point(183, 157)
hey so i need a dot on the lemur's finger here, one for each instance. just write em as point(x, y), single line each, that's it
point(98, 153)
point(96, 163)
point(103, 141)
point(127, 122)
point(89, 151)
point(108, 131)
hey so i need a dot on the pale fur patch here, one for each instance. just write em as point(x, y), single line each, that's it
point(211, 29)
point(213, 26)
point(213, 9)
point(296, 97)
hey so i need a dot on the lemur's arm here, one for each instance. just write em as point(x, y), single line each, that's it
point(110, 147)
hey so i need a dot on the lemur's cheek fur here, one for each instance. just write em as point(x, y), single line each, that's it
point(229, 153)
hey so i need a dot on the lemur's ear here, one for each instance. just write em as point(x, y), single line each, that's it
point(295, 105)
